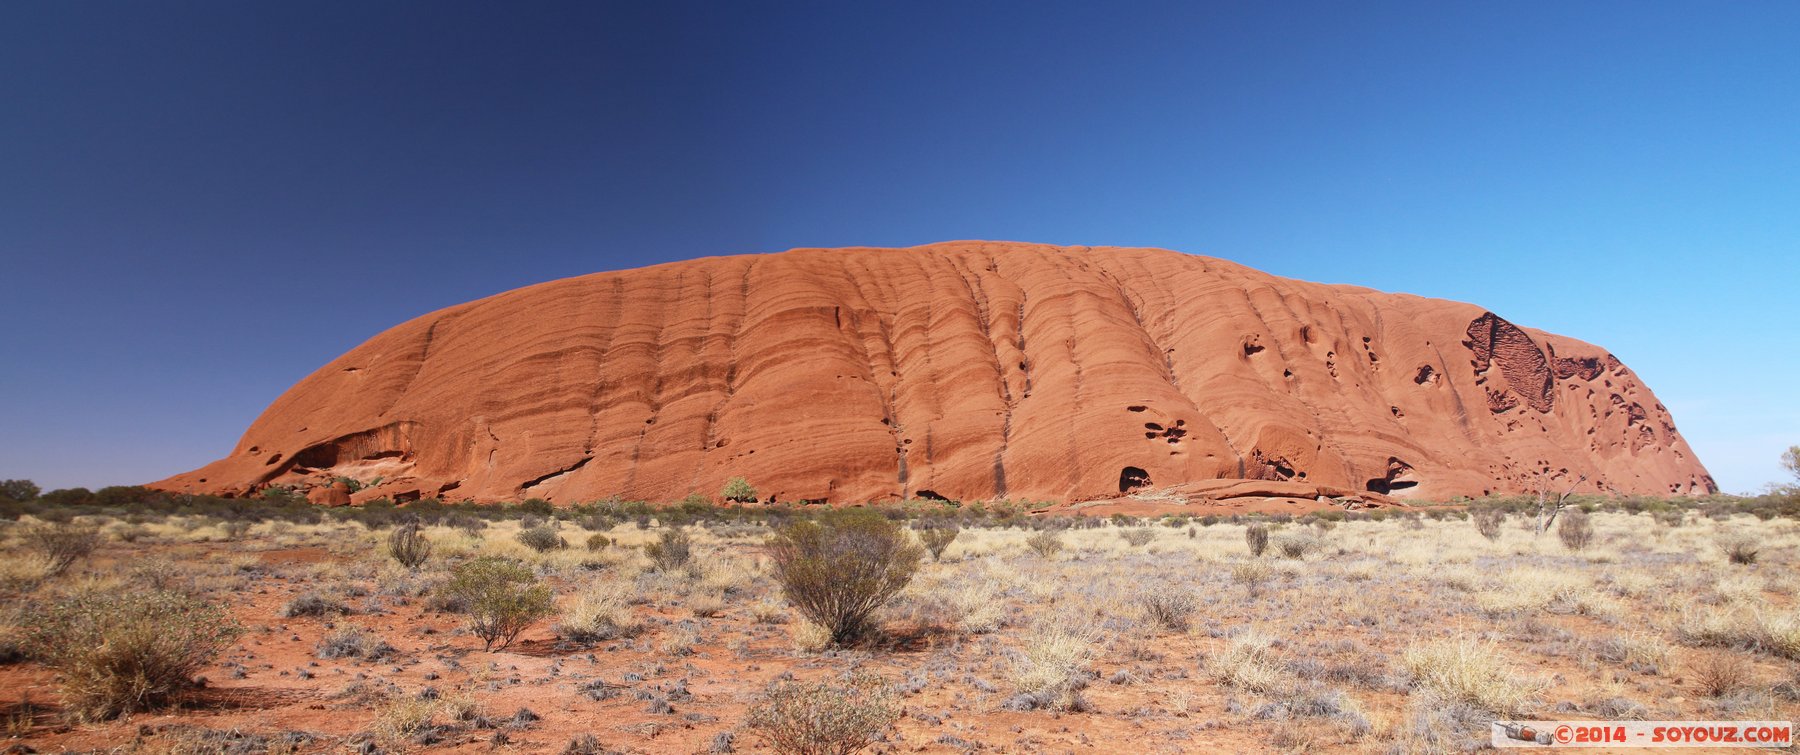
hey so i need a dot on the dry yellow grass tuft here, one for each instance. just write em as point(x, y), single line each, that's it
point(1474, 672)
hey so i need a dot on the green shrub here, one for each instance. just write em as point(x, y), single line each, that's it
point(501, 598)
point(738, 489)
point(823, 719)
point(598, 542)
point(672, 550)
point(63, 544)
point(838, 570)
point(119, 652)
point(1257, 537)
point(1046, 544)
point(936, 538)
point(18, 490)
point(542, 538)
point(408, 546)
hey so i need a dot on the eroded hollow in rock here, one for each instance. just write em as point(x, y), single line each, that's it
point(1398, 477)
point(1133, 478)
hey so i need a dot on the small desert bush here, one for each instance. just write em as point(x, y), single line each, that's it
point(671, 551)
point(823, 718)
point(119, 652)
point(408, 546)
point(353, 642)
point(1167, 606)
point(1257, 537)
point(598, 542)
point(841, 568)
point(1138, 536)
point(601, 612)
point(1051, 669)
point(1575, 530)
point(63, 543)
point(1046, 544)
point(1720, 674)
point(937, 538)
point(1251, 574)
point(502, 598)
point(313, 604)
point(1473, 672)
point(1488, 522)
point(1298, 544)
point(542, 538)
point(1741, 550)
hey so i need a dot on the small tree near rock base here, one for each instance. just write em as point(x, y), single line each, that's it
point(738, 490)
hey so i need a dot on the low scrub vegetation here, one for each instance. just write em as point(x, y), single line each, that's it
point(938, 537)
point(501, 598)
point(1385, 631)
point(1256, 536)
point(841, 568)
point(119, 653)
point(795, 718)
point(671, 551)
point(1471, 671)
point(408, 546)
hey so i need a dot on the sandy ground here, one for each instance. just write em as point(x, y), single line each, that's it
point(1327, 651)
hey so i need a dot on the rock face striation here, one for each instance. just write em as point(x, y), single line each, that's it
point(965, 370)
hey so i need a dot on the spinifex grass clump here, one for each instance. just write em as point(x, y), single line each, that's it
point(841, 568)
point(119, 652)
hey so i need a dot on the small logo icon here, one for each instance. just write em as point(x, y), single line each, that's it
point(1523, 733)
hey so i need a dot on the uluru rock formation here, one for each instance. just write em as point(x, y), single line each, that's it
point(964, 370)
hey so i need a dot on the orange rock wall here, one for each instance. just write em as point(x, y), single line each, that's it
point(969, 370)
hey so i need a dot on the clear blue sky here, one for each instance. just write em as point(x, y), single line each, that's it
point(201, 202)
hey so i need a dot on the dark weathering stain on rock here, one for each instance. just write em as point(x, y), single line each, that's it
point(1495, 341)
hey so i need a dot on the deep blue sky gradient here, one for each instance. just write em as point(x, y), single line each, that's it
point(201, 202)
